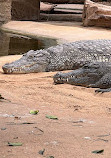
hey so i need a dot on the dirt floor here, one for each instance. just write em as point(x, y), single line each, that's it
point(84, 118)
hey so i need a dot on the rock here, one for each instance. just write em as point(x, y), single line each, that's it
point(95, 14)
point(46, 7)
point(5, 11)
point(25, 9)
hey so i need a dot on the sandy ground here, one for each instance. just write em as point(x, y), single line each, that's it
point(84, 118)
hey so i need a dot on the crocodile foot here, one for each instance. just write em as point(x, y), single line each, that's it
point(103, 90)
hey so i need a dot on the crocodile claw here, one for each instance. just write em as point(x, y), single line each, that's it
point(103, 90)
point(99, 91)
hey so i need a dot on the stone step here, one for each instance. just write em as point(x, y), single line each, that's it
point(61, 17)
point(61, 12)
point(64, 1)
point(69, 8)
point(66, 11)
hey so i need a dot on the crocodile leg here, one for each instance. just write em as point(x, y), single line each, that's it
point(103, 90)
point(104, 84)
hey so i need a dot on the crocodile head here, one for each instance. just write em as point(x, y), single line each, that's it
point(32, 61)
point(84, 76)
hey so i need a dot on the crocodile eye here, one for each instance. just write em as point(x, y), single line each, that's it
point(24, 54)
point(30, 56)
point(96, 66)
point(86, 67)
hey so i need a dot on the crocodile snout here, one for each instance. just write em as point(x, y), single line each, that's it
point(7, 69)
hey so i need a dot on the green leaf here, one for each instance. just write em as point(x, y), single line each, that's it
point(51, 117)
point(34, 112)
point(98, 151)
point(14, 144)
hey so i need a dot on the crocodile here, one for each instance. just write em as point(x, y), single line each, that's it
point(68, 56)
point(95, 75)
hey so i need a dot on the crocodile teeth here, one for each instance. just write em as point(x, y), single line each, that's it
point(9, 71)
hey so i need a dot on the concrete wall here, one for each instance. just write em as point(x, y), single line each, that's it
point(19, 10)
point(4, 44)
point(5, 11)
point(25, 9)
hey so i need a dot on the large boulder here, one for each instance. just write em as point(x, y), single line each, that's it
point(25, 9)
point(95, 14)
point(5, 11)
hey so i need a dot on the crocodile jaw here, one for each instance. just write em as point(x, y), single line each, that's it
point(30, 62)
point(84, 76)
point(12, 69)
point(19, 67)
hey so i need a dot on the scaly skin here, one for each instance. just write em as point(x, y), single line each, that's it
point(68, 56)
point(96, 75)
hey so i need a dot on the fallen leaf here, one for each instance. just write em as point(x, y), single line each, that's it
point(98, 151)
point(99, 139)
point(17, 118)
point(15, 138)
point(104, 135)
point(41, 152)
point(3, 128)
point(27, 123)
point(51, 117)
point(14, 144)
point(1, 97)
point(39, 129)
point(87, 138)
point(34, 112)
point(79, 121)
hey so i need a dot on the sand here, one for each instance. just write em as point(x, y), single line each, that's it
point(84, 117)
